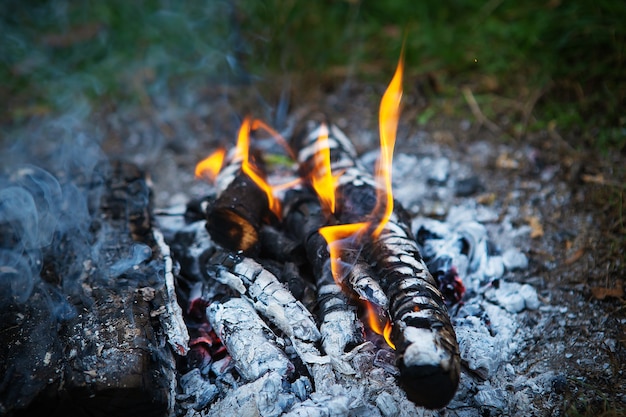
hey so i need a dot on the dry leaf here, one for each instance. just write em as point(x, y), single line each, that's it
point(596, 179)
point(535, 225)
point(575, 256)
point(600, 293)
point(486, 199)
point(504, 161)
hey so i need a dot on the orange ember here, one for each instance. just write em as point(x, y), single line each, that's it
point(389, 115)
point(243, 152)
point(335, 236)
point(322, 178)
point(210, 166)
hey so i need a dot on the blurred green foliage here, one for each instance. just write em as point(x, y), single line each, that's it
point(573, 51)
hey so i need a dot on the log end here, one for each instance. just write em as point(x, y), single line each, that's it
point(233, 231)
point(429, 386)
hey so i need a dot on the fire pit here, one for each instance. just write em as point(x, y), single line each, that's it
point(299, 286)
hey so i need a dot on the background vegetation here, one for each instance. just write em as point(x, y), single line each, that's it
point(564, 59)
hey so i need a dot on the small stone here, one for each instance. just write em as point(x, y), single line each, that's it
point(559, 384)
point(468, 186)
point(514, 260)
point(531, 300)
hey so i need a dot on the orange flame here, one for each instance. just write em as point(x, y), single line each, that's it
point(375, 319)
point(389, 115)
point(242, 152)
point(210, 166)
point(335, 236)
point(259, 124)
point(322, 178)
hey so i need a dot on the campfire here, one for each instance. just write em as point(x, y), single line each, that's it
point(331, 234)
point(299, 287)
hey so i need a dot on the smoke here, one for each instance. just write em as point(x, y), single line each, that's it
point(50, 186)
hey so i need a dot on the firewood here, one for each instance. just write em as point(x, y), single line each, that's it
point(250, 342)
point(240, 209)
point(340, 327)
point(427, 352)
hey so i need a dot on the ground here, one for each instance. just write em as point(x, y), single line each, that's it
point(572, 199)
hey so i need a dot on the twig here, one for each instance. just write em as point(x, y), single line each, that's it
point(478, 114)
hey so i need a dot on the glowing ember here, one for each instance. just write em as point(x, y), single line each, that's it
point(243, 153)
point(210, 166)
point(388, 125)
point(322, 179)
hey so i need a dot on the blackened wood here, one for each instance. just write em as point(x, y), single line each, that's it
point(340, 327)
point(240, 209)
point(93, 344)
point(427, 352)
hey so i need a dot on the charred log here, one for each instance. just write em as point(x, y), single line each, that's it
point(340, 328)
point(427, 352)
point(96, 343)
point(235, 218)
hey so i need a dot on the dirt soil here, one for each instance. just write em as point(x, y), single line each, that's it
point(572, 200)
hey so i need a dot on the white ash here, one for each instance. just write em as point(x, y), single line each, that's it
point(172, 319)
point(253, 346)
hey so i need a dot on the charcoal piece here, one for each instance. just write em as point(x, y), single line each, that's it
point(301, 288)
point(87, 342)
point(276, 245)
point(468, 186)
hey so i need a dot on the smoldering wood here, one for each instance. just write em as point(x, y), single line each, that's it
point(427, 352)
point(250, 342)
point(103, 350)
point(271, 299)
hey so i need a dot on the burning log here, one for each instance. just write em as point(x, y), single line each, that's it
point(427, 352)
point(340, 328)
point(93, 334)
point(244, 201)
point(236, 216)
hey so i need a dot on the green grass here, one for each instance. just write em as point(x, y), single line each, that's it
point(573, 52)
